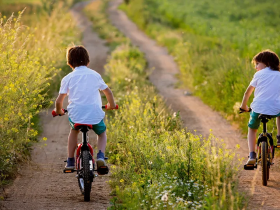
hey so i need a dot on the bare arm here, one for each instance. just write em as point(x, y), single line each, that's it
point(59, 103)
point(246, 97)
point(110, 98)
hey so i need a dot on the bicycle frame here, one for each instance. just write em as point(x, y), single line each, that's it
point(265, 137)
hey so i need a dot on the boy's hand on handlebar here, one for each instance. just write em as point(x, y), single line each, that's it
point(60, 112)
point(245, 109)
point(56, 112)
point(109, 107)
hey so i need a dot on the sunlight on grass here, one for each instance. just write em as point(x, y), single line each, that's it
point(157, 164)
point(20, 1)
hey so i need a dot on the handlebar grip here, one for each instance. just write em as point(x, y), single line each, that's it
point(243, 110)
point(105, 106)
point(54, 114)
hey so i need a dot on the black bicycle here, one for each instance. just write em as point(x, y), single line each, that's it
point(85, 164)
point(265, 149)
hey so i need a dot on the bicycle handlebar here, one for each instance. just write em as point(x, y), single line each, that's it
point(54, 114)
point(105, 106)
point(243, 110)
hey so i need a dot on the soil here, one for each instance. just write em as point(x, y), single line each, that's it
point(41, 184)
point(197, 116)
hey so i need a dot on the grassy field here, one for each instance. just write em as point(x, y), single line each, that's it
point(213, 43)
point(32, 57)
point(157, 165)
point(20, 1)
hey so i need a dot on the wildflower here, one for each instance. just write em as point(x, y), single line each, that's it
point(164, 197)
point(121, 181)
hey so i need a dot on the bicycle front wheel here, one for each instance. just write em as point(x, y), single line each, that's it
point(264, 163)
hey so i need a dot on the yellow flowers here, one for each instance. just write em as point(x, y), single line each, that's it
point(26, 75)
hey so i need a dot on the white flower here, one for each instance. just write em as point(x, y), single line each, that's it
point(164, 197)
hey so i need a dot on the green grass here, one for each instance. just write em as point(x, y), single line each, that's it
point(32, 54)
point(153, 155)
point(20, 1)
point(213, 43)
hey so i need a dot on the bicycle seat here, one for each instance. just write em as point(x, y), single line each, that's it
point(264, 116)
point(79, 126)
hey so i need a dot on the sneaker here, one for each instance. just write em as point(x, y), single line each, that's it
point(101, 164)
point(278, 140)
point(70, 163)
point(100, 159)
point(251, 159)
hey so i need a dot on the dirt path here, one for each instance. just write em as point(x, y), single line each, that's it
point(41, 184)
point(196, 115)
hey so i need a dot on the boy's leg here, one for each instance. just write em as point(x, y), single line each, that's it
point(102, 141)
point(278, 130)
point(101, 145)
point(252, 135)
point(72, 144)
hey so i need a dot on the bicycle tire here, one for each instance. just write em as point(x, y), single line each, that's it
point(86, 175)
point(268, 172)
point(264, 163)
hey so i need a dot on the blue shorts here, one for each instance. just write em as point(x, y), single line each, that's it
point(97, 128)
point(254, 121)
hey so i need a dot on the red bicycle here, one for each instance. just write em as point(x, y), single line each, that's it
point(85, 164)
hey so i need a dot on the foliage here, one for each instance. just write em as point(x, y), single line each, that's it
point(212, 42)
point(157, 164)
point(30, 57)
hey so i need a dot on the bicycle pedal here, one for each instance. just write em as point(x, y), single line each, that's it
point(250, 167)
point(69, 170)
point(277, 146)
point(106, 158)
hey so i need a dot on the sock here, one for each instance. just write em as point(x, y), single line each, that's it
point(100, 155)
point(252, 155)
point(71, 161)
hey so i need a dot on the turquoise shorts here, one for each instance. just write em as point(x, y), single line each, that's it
point(97, 128)
point(254, 121)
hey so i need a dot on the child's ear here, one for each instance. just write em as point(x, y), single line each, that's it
point(87, 64)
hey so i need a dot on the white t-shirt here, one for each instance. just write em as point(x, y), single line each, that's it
point(82, 87)
point(267, 92)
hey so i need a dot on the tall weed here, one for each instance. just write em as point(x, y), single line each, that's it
point(30, 58)
point(157, 164)
point(213, 43)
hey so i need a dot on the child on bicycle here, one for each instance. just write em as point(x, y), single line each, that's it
point(82, 87)
point(266, 83)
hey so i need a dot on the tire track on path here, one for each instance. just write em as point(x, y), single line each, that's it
point(41, 183)
point(195, 114)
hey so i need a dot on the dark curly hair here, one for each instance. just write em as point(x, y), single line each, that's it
point(269, 58)
point(77, 56)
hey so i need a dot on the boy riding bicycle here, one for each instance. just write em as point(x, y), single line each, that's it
point(82, 87)
point(266, 83)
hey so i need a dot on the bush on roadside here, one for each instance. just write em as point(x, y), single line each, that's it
point(157, 164)
point(30, 58)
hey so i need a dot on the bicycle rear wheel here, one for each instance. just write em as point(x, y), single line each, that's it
point(85, 175)
point(264, 163)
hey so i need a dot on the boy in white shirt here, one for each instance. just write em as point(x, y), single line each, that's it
point(266, 83)
point(82, 87)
